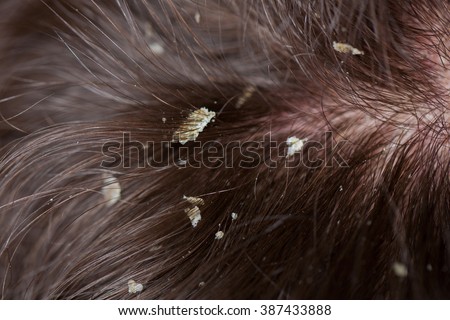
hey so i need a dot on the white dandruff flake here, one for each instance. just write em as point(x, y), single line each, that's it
point(246, 94)
point(193, 125)
point(155, 248)
point(111, 190)
point(197, 17)
point(194, 215)
point(194, 200)
point(156, 48)
point(294, 144)
point(219, 235)
point(346, 48)
point(400, 270)
point(134, 287)
point(234, 216)
point(164, 120)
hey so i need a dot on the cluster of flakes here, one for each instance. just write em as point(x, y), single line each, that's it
point(193, 125)
point(189, 131)
point(194, 213)
point(219, 234)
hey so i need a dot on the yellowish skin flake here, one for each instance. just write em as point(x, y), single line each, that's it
point(400, 270)
point(194, 200)
point(193, 125)
point(219, 235)
point(194, 215)
point(346, 48)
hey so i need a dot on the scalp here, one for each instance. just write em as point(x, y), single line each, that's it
point(370, 221)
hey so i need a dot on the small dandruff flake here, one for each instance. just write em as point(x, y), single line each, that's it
point(197, 17)
point(294, 145)
point(164, 120)
point(246, 94)
point(400, 270)
point(219, 235)
point(111, 190)
point(234, 216)
point(194, 200)
point(156, 48)
point(346, 48)
point(134, 287)
point(155, 248)
point(193, 125)
point(194, 215)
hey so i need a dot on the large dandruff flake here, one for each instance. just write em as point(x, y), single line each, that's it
point(193, 125)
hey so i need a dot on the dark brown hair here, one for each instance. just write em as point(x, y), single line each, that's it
point(363, 84)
